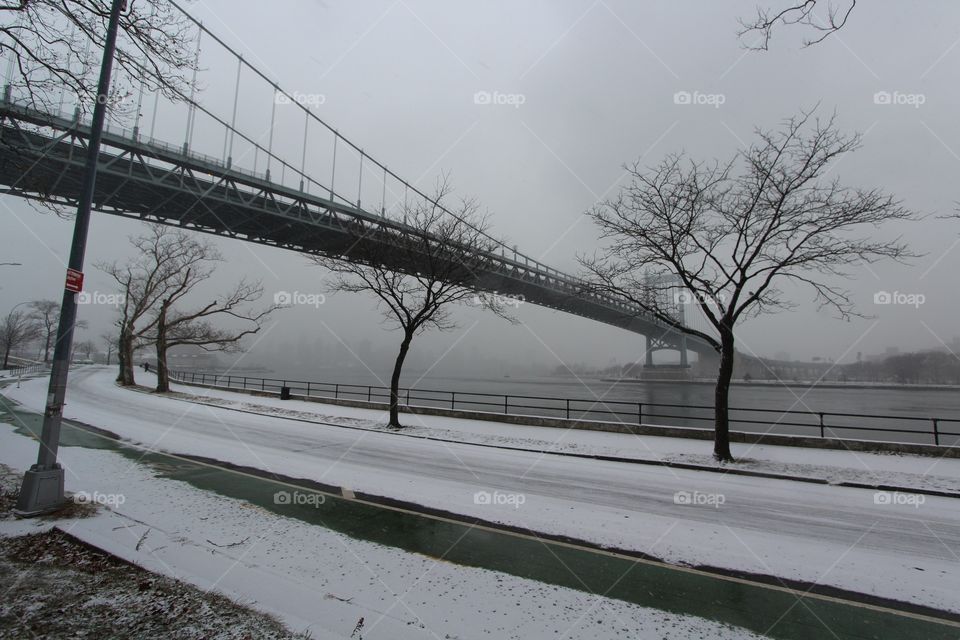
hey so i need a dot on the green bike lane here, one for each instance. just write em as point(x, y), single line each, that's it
point(770, 608)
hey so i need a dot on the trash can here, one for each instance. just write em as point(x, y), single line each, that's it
point(284, 393)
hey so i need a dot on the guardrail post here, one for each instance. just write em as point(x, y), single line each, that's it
point(822, 435)
point(506, 404)
point(936, 432)
point(244, 382)
point(453, 400)
point(568, 408)
point(369, 390)
point(639, 414)
point(336, 390)
point(408, 397)
point(308, 388)
point(263, 384)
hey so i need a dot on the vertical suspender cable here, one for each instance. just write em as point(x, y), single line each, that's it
point(191, 107)
point(303, 156)
point(273, 116)
point(333, 171)
point(136, 120)
point(8, 84)
point(73, 34)
point(83, 76)
point(383, 195)
point(233, 121)
point(360, 179)
point(156, 105)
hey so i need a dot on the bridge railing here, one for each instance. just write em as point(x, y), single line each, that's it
point(940, 431)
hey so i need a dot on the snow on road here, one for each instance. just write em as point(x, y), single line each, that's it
point(913, 471)
point(907, 549)
point(321, 581)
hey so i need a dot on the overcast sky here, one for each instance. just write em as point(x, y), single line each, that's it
point(583, 88)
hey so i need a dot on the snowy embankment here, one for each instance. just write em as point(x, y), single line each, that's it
point(834, 466)
point(318, 580)
point(904, 548)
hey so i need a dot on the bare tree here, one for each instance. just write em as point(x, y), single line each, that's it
point(419, 274)
point(732, 237)
point(109, 340)
point(84, 348)
point(16, 330)
point(53, 48)
point(46, 313)
point(810, 14)
point(176, 328)
point(162, 257)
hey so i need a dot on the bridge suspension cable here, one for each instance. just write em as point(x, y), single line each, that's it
point(387, 172)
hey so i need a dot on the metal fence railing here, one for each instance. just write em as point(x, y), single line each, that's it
point(941, 431)
point(27, 369)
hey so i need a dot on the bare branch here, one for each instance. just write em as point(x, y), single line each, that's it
point(798, 13)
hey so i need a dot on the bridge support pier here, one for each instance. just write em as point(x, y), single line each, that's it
point(677, 372)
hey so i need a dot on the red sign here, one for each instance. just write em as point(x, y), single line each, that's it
point(74, 281)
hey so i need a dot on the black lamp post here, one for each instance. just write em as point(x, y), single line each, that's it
point(42, 489)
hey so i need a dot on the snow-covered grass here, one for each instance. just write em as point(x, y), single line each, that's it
point(56, 587)
point(906, 548)
point(321, 581)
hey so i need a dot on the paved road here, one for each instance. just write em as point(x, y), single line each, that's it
point(820, 514)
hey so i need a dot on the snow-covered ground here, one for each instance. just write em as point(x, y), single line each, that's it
point(318, 580)
point(915, 472)
point(891, 545)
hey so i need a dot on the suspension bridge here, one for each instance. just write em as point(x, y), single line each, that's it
point(252, 191)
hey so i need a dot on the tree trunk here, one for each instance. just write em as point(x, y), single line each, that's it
point(395, 382)
point(46, 347)
point(163, 380)
point(721, 436)
point(125, 357)
point(6, 356)
point(119, 365)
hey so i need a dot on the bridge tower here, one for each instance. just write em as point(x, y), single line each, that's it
point(665, 293)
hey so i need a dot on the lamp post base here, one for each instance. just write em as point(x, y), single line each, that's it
point(41, 492)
